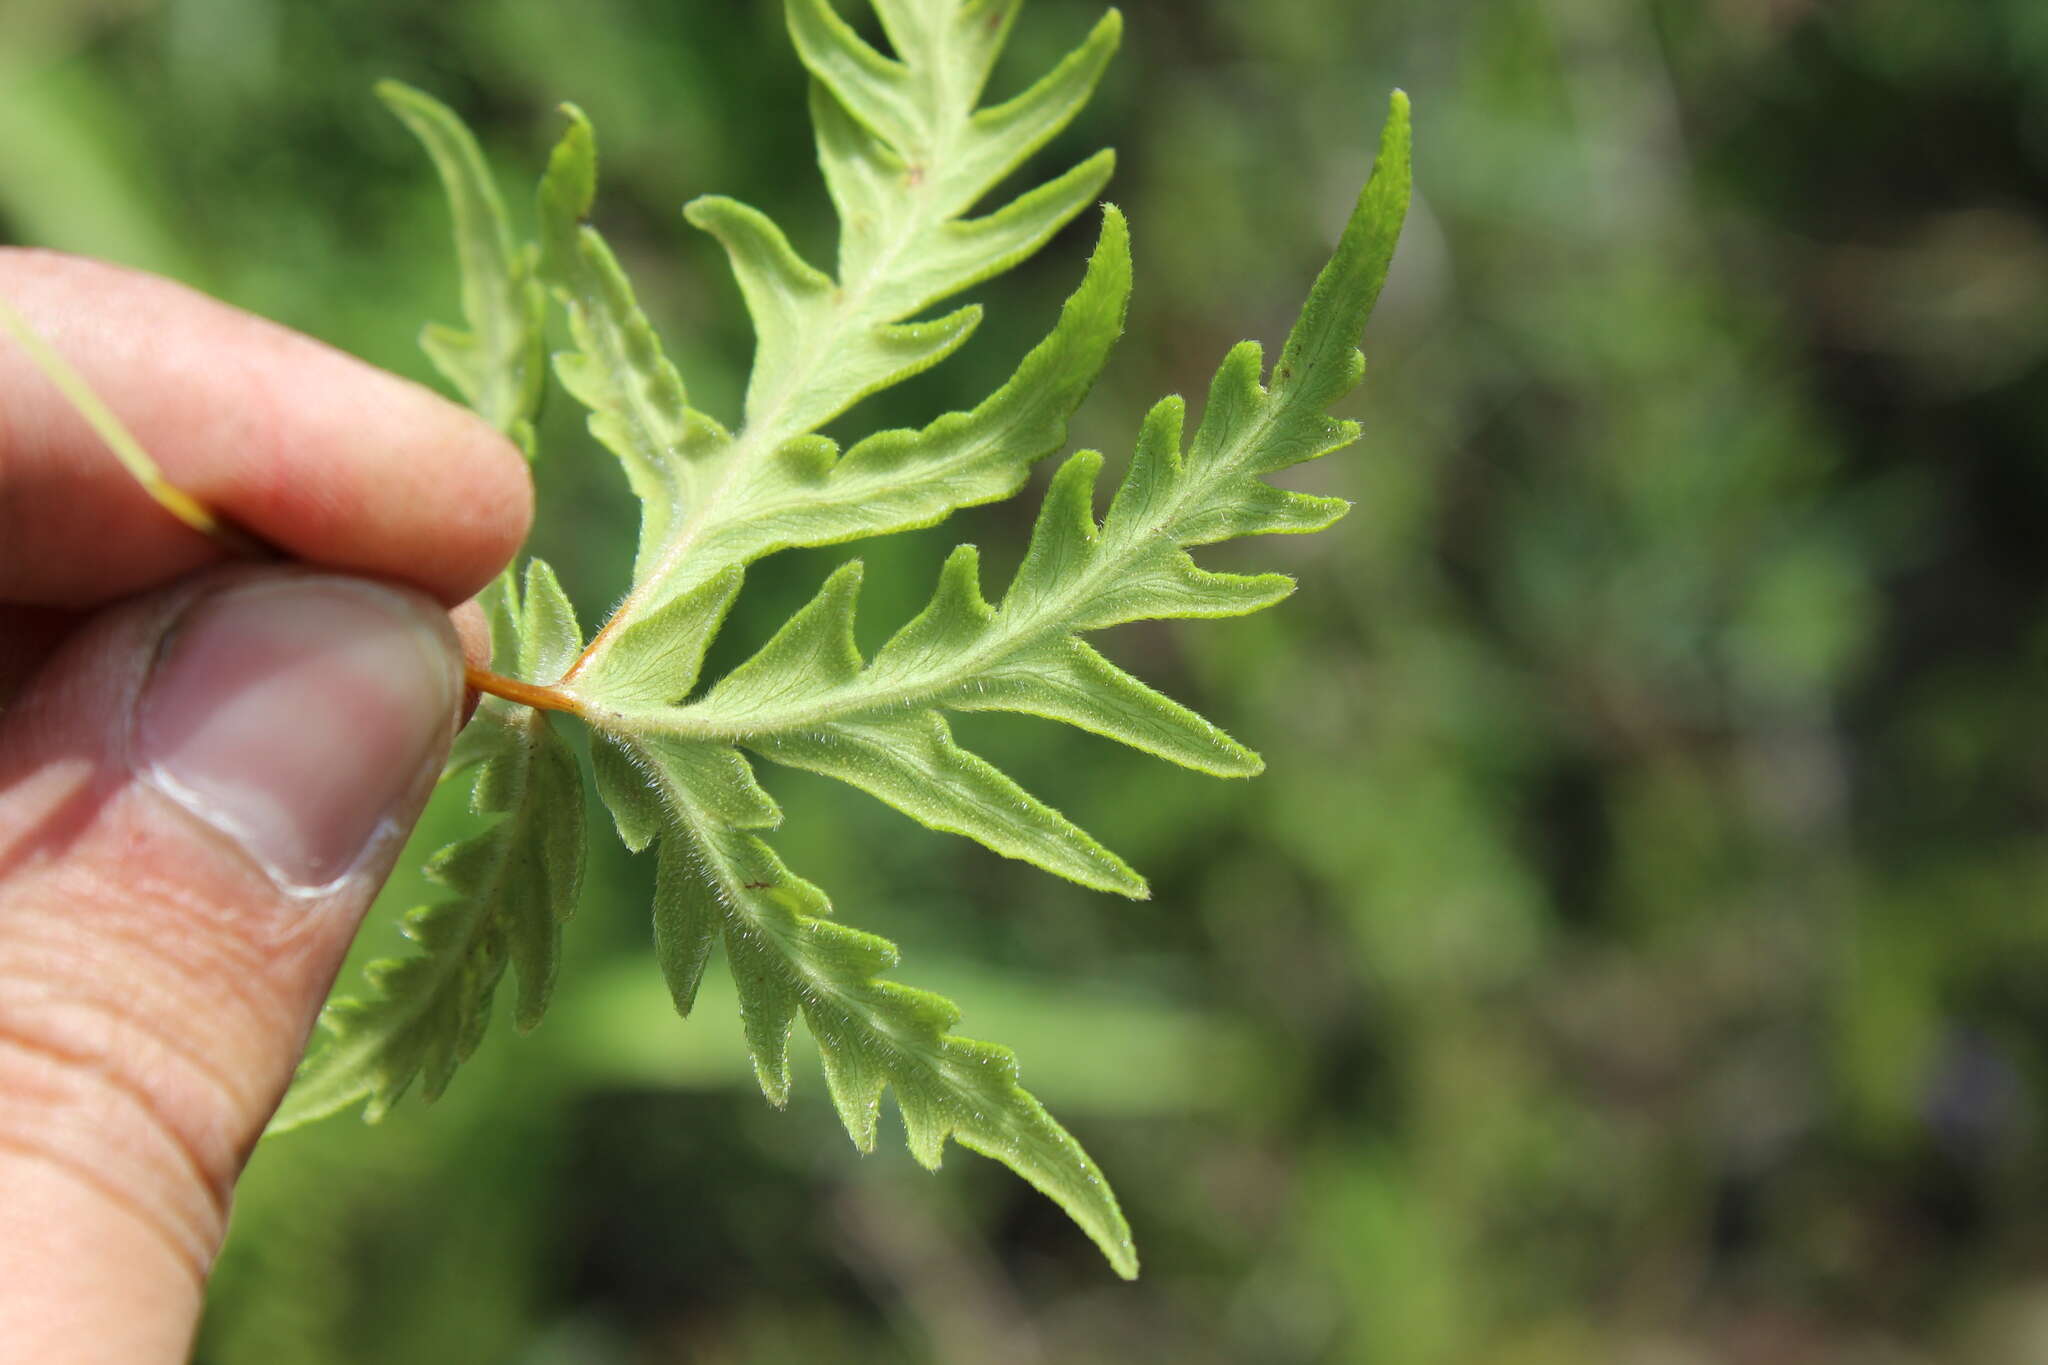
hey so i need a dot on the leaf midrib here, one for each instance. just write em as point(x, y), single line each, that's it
point(760, 437)
point(998, 642)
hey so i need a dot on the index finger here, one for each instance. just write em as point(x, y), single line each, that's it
point(331, 460)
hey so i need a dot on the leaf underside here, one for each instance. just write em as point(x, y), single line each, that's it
point(510, 887)
point(908, 155)
point(500, 364)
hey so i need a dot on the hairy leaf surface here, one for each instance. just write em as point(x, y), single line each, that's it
point(511, 887)
point(514, 882)
point(808, 699)
point(714, 498)
point(499, 366)
point(909, 155)
point(872, 1034)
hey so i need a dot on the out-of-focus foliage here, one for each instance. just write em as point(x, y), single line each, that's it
point(1635, 949)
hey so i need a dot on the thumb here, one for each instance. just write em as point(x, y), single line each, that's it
point(198, 798)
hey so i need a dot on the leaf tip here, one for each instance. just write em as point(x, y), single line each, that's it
point(568, 187)
point(774, 1085)
point(1397, 139)
point(1107, 872)
point(845, 580)
point(1108, 31)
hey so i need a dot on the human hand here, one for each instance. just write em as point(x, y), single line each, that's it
point(205, 772)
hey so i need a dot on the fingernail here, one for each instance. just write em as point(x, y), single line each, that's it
point(296, 716)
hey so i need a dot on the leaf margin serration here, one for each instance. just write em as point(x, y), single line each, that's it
point(651, 795)
point(499, 365)
point(674, 774)
point(469, 937)
point(724, 883)
point(512, 886)
point(1080, 574)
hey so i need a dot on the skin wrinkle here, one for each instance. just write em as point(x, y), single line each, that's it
point(108, 1121)
point(115, 1036)
point(190, 1258)
point(119, 1051)
point(107, 1125)
point(195, 987)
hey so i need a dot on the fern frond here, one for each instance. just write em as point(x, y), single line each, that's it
point(715, 884)
point(907, 153)
point(512, 885)
point(807, 699)
point(865, 722)
point(514, 882)
point(499, 366)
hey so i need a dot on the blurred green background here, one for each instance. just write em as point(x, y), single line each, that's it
point(1637, 950)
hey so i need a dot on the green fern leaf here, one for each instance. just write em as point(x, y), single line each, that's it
point(500, 365)
point(513, 883)
point(720, 884)
point(512, 886)
point(910, 761)
point(807, 698)
point(907, 155)
point(713, 499)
